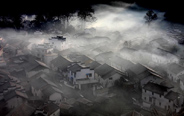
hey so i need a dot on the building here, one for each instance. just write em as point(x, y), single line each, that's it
point(81, 76)
point(48, 109)
point(40, 50)
point(107, 75)
point(174, 71)
point(58, 42)
point(43, 88)
point(60, 64)
point(161, 97)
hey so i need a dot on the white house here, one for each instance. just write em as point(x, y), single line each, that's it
point(58, 42)
point(80, 76)
point(159, 96)
point(174, 71)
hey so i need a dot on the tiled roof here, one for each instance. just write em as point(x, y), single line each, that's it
point(156, 88)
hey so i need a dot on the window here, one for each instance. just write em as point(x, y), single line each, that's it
point(166, 107)
point(152, 93)
point(110, 78)
point(169, 101)
point(160, 95)
point(145, 98)
point(159, 103)
point(145, 91)
point(88, 75)
point(150, 99)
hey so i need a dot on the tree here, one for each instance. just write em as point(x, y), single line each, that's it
point(150, 16)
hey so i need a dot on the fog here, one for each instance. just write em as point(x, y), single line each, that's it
point(114, 25)
point(117, 31)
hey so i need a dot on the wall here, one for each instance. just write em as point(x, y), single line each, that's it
point(165, 103)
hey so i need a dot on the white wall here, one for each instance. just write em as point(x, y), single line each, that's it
point(82, 74)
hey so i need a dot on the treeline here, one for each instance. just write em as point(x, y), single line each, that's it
point(54, 11)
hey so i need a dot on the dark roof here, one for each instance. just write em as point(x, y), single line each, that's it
point(122, 62)
point(156, 88)
point(61, 62)
point(103, 69)
point(111, 73)
point(80, 58)
point(50, 108)
point(94, 64)
point(18, 74)
point(39, 83)
point(172, 95)
point(74, 68)
point(175, 68)
point(138, 69)
point(14, 93)
point(22, 110)
point(6, 85)
point(65, 106)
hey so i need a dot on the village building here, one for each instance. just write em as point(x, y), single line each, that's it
point(80, 76)
point(48, 109)
point(161, 97)
point(174, 71)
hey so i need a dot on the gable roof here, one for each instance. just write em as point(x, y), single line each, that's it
point(103, 69)
point(138, 69)
point(175, 68)
point(156, 88)
point(74, 68)
point(50, 108)
point(61, 62)
point(94, 64)
point(172, 95)
point(39, 83)
point(14, 93)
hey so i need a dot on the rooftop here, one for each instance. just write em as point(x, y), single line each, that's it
point(175, 68)
point(156, 88)
point(61, 62)
point(103, 69)
point(172, 95)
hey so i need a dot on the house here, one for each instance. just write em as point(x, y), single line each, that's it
point(58, 42)
point(15, 98)
point(107, 75)
point(120, 63)
point(174, 71)
point(137, 73)
point(151, 78)
point(82, 59)
point(60, 64)
point(45, 89)
point(48, 109)
point(81, 76)
point(65, 109)
point(161, 97)
point(49, 57)
point(94, 64)
point(40, 50)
